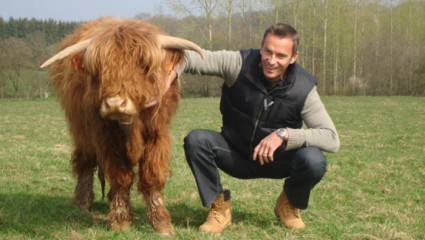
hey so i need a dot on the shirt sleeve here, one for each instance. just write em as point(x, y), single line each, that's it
point(224, 64)
point(320, 132)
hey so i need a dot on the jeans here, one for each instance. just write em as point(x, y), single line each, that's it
point(207, 151)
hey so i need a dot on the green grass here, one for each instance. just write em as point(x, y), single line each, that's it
point(374, 187)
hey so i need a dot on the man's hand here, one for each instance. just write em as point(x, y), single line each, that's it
point(170, 78)
point(266, 148)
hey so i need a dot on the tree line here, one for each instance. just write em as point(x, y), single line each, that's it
point(354, 47)
point(53, 30)
point(24, 45)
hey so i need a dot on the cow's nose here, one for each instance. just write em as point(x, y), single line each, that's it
point(118, 108)
point(116, 104)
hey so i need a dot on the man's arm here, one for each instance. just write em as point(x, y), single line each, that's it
point(224, 64)
point(320, 132)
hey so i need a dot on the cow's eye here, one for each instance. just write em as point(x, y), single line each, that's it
point(145, 68)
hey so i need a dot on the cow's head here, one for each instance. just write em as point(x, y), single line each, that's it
point(126, 67)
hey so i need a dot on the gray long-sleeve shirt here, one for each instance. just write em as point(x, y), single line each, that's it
point(320, 131)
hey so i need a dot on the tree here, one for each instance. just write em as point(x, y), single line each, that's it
point(356, 13)
point(2, 28)
point(38, 45)
point(3, 74)
point(229, 8)
point(208, 7)
point(391, 48)
point(325, 32)
point(18, 56)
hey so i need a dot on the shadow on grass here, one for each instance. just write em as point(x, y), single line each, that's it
point(36, 215)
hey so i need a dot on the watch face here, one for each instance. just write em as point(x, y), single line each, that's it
point(281, 132)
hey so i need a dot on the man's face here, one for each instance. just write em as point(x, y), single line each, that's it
point(276, 55)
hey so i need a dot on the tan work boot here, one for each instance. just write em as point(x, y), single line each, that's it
point(220, 215)
point(289, 215)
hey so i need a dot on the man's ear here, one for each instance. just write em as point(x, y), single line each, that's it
point(294, 57)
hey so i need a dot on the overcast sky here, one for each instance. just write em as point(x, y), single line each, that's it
point(77, 10)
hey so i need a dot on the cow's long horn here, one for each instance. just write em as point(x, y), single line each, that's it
point(66, 52)
point(179, 43)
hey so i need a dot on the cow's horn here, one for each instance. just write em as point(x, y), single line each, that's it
point(67, 51)
point(179, 43)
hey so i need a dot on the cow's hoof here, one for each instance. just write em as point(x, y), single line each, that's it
point(165, 230)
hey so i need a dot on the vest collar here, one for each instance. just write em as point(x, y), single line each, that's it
point(262, 84)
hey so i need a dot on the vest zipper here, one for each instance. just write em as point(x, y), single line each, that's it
point(256, 125)
point(265, 105)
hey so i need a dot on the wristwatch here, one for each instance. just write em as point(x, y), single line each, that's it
point(282, 132)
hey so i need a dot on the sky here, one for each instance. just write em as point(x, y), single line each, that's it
point(77, 10)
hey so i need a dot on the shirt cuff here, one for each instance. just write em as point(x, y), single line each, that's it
point(296, 139)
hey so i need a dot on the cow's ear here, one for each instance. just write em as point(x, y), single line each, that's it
point(78, 61)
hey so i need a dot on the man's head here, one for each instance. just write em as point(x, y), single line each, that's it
point(279, 49)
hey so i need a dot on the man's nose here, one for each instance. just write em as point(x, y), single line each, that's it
point(272, 59)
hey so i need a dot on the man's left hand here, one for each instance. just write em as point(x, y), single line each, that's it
point(266, 148)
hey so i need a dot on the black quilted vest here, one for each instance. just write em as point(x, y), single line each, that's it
point(251, 111)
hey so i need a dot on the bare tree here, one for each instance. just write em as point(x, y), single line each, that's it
point(313, 44)
point(191, 10)
point(356, 7)
point(229, 10)
point(3, 59)
point(325, 31)
point(246, 9)
point(38, 45)
point(276, 5)
point(391, 48)
point(294, 13)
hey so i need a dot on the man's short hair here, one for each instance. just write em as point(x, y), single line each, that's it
point(284, 30)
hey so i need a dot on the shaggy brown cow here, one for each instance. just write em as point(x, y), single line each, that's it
point(111, 80)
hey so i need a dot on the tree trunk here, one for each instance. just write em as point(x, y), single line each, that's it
point(324, 47)
point(409, 50)
point(391, 48)
point(276, 11)
point(355, 48)
point(294, 12)
point(313, 38)
point(229, 24)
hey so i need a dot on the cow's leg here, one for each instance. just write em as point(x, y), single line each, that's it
point(153, 171)
point(83, 167)
point(120, 178)
point(159, 217)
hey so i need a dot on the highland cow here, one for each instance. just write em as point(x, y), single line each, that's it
point(111, 79)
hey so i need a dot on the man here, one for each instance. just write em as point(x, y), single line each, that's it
point(266, 97)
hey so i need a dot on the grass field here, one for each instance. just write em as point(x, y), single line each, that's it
point(374, 187)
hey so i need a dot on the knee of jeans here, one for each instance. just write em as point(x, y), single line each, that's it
point(315, 161)
point(195, 140)
point(194, 137)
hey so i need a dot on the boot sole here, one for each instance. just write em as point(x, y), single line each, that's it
point(225, 226)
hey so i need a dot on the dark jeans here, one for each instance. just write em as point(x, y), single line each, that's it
point(207, 150)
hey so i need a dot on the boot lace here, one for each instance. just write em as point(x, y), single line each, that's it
point(215, 210)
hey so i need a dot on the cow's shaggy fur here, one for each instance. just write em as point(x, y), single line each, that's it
point(123, 59)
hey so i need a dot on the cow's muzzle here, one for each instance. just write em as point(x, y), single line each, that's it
point(120, 109)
